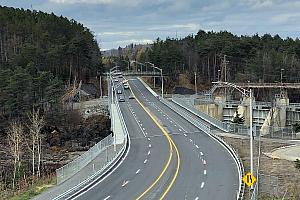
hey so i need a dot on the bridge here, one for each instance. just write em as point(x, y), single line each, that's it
point(170, 155)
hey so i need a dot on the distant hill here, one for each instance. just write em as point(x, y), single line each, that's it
point(130, 50)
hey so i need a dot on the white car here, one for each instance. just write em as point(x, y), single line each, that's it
point(126, 86)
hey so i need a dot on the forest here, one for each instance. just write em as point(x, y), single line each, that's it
point(247, 58)
point(41, 55)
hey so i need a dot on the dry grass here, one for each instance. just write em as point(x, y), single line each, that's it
point(285, 177)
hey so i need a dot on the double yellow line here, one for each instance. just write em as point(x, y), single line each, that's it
point(171, 146)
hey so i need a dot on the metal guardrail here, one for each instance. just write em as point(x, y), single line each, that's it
point(203, 126)
point(206, 128)
point(217, 123)
point(97, 159)
point(141, 73)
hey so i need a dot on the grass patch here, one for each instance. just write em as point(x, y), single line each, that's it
point(37, 188)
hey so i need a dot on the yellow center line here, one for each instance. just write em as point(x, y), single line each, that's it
point(171, 144)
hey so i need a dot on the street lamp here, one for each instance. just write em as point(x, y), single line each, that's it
point(127, 63)
point(161, 76)
point(250, 95)
point(141, 64)
point(219, 74)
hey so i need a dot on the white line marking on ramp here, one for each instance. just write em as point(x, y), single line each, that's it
point(107, 198)
point(204, 172)
point(138, 171)
point(125, 183)
point(202, 184)
point(145, 161)
point(149, 152)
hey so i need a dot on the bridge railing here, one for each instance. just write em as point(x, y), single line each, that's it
point(217, 123)
point(141, 73)
point(93, 162)
point(202, 126)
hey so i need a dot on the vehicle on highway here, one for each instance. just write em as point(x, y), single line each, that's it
point(121, 98)
point(126, 86)
point(119, 91)
point(131, 97)
point(116, 80)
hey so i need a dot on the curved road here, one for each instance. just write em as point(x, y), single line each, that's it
point(150, 170)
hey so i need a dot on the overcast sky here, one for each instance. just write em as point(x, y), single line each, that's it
point(120, 22)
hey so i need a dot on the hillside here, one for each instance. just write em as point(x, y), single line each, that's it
point(40, 56)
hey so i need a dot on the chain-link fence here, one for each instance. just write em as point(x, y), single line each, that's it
point(79, 163)
point(95, 161)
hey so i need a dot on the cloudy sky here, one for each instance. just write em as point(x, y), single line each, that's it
point(120, 22)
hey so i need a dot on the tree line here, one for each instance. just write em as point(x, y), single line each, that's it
point(39, 53)
point(40, 56)
point(247, 58)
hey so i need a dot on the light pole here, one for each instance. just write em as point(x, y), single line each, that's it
point(251, 134)
point(127, 64)
point(249, 94)
point(161, 76)
point(162, 84)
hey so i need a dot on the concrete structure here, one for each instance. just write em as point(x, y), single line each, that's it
point(267, 117)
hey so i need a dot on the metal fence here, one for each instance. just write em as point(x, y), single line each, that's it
point(203, 126)
point(219, 124)
point(79, 163)
point(92, 163)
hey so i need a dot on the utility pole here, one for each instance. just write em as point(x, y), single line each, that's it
point(100, 83)
point(281, 75)
point(225, 74)
point(225, 68)
point(195, 83)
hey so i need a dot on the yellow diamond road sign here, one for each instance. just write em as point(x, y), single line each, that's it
point(249, 179)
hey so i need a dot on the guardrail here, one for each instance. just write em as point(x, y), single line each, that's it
point(217, 123)
point(206, 129)
point(100, 157)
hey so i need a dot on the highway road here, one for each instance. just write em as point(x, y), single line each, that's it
point(168, 157)
point(207, 170)
point(140, 173)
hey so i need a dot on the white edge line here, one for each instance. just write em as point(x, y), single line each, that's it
point(107, 175)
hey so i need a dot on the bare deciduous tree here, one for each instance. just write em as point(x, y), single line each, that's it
point(15, 138)
point(36, 123)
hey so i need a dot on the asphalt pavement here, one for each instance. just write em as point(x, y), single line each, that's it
point(207, 170)
point(146, 160)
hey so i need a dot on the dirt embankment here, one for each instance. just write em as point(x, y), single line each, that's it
point(277, 178)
